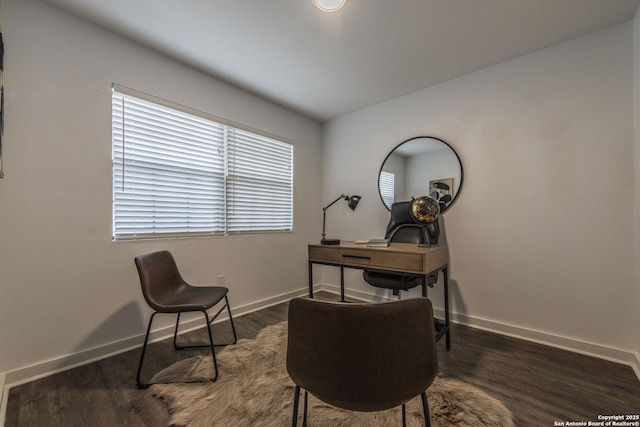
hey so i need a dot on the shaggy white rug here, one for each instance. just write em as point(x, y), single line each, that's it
point(253, 389)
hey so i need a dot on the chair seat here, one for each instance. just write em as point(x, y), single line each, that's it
point(192, 298)
point(391, 280)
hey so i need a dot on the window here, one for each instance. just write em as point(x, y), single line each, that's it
point(178, 172)
point(386, 185)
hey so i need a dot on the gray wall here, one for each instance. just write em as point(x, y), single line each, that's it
point(541, 239)
point(65, 287)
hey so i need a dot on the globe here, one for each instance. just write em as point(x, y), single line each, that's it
point(424, 209)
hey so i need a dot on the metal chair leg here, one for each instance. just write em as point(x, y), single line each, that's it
point(175, 334)
point(211, 345)
point(306, 406)
point(209, 322)
point(139, 383)
point(296, 400)
point(425, 407)
point(404, 415)
point(233, 328)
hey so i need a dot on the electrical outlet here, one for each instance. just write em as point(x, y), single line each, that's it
point(221, 280)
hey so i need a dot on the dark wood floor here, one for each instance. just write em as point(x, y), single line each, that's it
point(539, 384)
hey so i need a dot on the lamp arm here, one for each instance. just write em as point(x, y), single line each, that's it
point(342, 196)
point(324, 220)
point(324, 212)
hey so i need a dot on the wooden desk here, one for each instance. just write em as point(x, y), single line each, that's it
point(403, 258)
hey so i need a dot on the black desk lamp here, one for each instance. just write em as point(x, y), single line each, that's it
point(352, 202)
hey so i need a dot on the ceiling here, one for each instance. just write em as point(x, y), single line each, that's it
point(324, 65)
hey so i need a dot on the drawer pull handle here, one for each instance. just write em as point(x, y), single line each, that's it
point(356, 256)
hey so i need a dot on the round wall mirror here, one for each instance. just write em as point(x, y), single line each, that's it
point(421, 166)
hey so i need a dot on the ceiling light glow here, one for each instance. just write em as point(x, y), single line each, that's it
point(329, 5)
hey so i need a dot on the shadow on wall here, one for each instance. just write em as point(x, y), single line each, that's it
point(129, 321)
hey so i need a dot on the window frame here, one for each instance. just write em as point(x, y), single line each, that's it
point(119, 164)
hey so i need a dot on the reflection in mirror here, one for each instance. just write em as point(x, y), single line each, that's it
point(419, 167)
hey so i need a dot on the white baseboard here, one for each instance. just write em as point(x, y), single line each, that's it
point(52, 366)
point(566, 343)
point(636, 364)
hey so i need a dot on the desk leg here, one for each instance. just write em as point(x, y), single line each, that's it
point(445, 274)
point(341, 283)
point(310, 280)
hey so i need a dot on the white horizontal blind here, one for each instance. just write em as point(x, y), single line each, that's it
point(259, 183)
point(387, 187)
point(170, 174)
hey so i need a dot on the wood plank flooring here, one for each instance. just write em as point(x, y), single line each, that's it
point(540, 385)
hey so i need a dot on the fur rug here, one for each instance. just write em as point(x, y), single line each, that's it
point(253, 389)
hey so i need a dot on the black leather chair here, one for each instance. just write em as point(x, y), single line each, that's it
point(403, 228)
point(166, 292)
point(361, 357)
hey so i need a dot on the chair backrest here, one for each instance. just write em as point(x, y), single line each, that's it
point(159, 278)
point(402, 228)
point(362, 357)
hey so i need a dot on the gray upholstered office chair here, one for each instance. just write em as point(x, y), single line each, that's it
point(403, 228)
point(333, 350)
point(165, 291)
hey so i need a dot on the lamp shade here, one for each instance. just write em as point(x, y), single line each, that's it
point(353, 201)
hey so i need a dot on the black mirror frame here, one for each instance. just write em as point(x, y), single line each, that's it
point(455, 197)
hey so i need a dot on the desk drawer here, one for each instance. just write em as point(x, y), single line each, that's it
point(382, 259)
